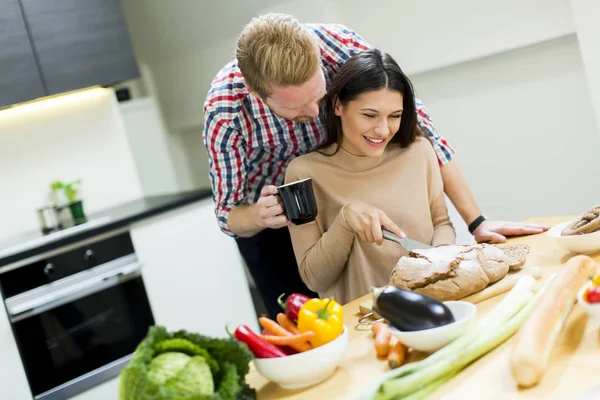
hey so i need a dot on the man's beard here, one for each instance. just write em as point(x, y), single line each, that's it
point(303, 119)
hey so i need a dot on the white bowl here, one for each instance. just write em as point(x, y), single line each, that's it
point(582, 244)
point(430, 340)
point(307, 368)
point(591, 309)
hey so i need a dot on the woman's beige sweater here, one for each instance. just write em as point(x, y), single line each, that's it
point(405, 183)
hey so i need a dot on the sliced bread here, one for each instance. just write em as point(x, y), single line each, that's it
point(517, 253)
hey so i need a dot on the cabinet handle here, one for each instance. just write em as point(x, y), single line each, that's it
point(89, 255)
point(49, 269)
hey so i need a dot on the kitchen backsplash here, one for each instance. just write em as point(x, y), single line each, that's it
point(75, 136)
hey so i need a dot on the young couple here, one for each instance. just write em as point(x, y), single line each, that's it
point(316, 101)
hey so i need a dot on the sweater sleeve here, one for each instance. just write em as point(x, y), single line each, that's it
point(321, 255)
point(443, 231)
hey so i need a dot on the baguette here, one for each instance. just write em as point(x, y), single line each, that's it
point(502, 286)
point(538, 335)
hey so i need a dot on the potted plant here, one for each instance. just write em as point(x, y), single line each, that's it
point(70, 191)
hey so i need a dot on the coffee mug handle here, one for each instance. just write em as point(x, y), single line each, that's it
point(282, 202)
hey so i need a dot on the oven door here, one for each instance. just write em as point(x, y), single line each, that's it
point(77, 332)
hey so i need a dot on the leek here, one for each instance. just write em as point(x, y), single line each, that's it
point(421, 378)
point(427, 390)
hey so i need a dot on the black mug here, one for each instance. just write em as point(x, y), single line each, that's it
point(299, 201)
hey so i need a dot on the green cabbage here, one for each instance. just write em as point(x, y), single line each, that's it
point(167, 366)
point(186, 366)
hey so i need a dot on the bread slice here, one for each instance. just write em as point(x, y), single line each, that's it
point(517, 253)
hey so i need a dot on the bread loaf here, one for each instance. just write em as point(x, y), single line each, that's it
point(516, 253)
point(450, 272)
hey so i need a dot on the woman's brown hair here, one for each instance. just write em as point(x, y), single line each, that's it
point(364, 72)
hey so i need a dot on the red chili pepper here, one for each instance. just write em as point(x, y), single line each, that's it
point(293, 304)
point(260, 348)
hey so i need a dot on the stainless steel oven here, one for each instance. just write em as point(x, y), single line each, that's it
point(77, 314)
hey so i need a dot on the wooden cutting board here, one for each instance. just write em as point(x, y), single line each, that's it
point(367, 307)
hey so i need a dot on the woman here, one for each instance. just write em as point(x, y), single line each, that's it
point(376, 169)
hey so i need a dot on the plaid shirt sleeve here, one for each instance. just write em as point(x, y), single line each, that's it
point(442, 149)
point(353, 41)
point(338, 43)
point(226, 149)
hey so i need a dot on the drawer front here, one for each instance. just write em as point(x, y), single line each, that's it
point(58, 266)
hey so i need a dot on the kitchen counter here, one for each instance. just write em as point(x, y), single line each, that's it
point(573, 369)
point(187, 265)
point(33, 243)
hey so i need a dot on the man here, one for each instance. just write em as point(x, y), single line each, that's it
point(263, 110)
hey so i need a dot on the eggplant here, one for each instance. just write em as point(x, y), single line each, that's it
point(410, 311)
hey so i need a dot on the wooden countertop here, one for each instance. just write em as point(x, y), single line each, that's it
point(573, 370)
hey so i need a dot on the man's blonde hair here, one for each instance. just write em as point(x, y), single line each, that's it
point(274, 49)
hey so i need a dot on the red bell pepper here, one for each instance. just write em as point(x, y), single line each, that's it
point(259, 347)
point(293, 304)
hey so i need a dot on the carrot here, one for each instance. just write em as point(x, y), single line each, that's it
point(280, 331)
point(397, 355)
point(273, 327)
point(287, 323)
point(383, 336)
point(288, 340)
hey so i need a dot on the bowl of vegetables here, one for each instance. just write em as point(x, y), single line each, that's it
point(431, 340)
point(420, 321)
point(304, 369)
point(303, 347)
point(589, 297)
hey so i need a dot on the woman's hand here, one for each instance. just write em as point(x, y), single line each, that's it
point(367, 222)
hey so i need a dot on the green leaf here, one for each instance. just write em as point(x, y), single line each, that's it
point(192, 380)
point(227, 357)
point(186, 347)
point(222, 350)
point(246, 393)
point(167, 366)
point(230, 382)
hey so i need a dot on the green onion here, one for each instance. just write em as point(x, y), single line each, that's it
point(421, 378)
point(427, 390)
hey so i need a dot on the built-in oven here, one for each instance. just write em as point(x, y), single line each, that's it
point(77, 314)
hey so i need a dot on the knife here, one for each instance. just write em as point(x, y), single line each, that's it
point(407, 243)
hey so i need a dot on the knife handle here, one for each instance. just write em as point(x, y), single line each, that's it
point(390, 236)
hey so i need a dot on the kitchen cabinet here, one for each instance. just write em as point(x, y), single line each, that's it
point(13, 380)
point(19, 76)
point(194, 273)
point(80, 43)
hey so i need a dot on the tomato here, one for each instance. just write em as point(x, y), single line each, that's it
point(593, 294)
point(596, 280)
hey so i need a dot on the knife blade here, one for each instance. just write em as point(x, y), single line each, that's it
point(407, 243)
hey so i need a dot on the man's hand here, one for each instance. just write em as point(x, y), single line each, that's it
point(497, 231)
point(367, 221)
point(269, 209)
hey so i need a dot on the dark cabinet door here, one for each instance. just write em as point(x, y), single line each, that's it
point(19, 75)
point(80, 43)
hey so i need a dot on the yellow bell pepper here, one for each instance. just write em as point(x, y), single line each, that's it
point(325, 317)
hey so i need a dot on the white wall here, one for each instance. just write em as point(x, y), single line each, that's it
point(586, 14)
point(426, 35)
point(467, 53)
point(523, 128)
point(69, 137)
